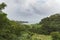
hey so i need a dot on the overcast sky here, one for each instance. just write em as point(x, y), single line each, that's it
point(31, 10)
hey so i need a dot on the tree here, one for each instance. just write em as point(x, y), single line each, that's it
point(2, 6)
point(6, 27)
point(50, 24)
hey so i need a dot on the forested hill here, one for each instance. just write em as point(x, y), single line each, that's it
point(47, 29)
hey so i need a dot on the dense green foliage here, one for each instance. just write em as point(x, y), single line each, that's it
point(14, 30)
point(50, 24)
point(55, 35)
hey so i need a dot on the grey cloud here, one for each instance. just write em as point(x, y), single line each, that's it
point(30, 11)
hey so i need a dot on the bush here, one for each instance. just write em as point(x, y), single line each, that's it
point(55, 35)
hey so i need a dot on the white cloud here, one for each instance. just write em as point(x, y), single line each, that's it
point(31, 10)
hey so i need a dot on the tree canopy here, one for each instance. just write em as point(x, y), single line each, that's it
point(50, 24)
point(2, 6)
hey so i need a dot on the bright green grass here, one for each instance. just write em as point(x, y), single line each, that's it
point(41, 37)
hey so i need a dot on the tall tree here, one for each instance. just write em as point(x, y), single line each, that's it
point(2, 6)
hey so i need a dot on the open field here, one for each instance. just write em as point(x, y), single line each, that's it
point(41, 37)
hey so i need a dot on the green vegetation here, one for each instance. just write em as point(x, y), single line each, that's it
point(41, 37)
point(47, 29)
point(55, 35)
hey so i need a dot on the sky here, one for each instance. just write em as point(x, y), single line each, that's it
point(31, 10)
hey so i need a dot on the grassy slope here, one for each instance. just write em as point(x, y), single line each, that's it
point(41, 37)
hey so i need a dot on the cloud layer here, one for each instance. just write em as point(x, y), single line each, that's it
point(31, 10)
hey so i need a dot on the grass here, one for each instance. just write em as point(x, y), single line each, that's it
point(41, 37)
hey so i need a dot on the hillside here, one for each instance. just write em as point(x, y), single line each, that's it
point(47, 29)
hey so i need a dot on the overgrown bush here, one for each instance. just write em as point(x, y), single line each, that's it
point(55, 35)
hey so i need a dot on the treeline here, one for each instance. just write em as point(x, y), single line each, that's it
point(14, 30)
